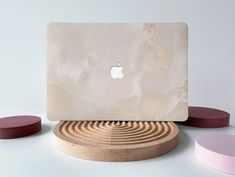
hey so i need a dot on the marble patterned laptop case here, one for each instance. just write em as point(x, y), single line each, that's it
point(117, 71)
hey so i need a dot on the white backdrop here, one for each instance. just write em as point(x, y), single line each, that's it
point(23, 45)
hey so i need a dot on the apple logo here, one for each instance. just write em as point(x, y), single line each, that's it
point(116, 71)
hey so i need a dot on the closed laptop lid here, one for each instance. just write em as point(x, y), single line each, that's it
point(117, 71)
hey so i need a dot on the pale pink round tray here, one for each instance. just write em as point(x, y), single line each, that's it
point(217, 151)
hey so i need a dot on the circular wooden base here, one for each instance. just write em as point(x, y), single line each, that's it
point(115, 140)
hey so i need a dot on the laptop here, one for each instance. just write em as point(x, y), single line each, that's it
point(117, 71)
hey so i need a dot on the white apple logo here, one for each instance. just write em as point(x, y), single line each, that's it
point(116, 71)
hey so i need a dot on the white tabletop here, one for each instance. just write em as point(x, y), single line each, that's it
point(36, 156)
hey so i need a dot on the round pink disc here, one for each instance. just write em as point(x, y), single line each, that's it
point(217, 151)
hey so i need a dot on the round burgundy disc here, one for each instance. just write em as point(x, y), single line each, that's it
point(206, 117)
point(19, 126)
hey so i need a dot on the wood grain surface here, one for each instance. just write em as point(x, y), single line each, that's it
point(115, 140)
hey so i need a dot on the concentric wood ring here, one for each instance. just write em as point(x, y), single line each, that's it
point(115, 140)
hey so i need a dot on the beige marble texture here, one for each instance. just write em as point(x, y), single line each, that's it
point(154, 60)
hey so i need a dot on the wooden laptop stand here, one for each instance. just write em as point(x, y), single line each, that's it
point(115, 140)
